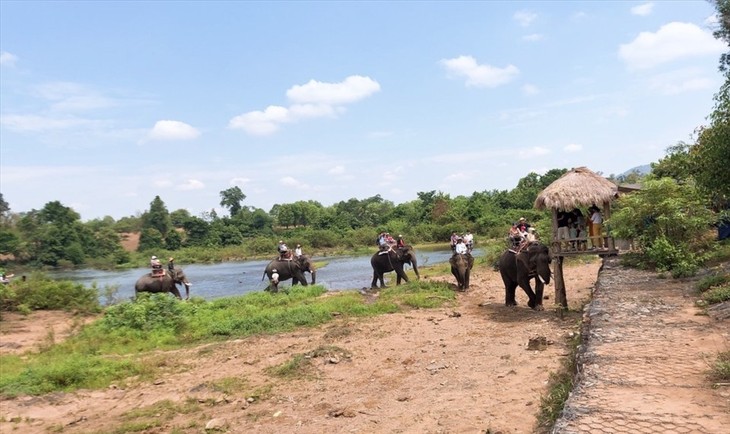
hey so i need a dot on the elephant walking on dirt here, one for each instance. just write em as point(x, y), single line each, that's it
point(166, 282)
point(289, 269)
point(461, 265)
point(533, 262)
point(393, 260)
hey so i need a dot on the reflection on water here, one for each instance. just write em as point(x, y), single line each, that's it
point(236, 278)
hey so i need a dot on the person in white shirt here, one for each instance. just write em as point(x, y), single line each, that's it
point(597, 224)
point(460, 248)
point(469, 241)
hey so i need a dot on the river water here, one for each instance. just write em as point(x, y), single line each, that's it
point(225, 279)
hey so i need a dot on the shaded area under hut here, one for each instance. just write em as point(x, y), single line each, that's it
point(572, 198)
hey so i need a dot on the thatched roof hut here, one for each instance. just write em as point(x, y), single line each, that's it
point(577, 188)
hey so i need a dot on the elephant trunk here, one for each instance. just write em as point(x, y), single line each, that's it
point(314, 276)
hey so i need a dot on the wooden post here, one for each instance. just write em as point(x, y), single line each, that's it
point(560, 297)
point(607, 215)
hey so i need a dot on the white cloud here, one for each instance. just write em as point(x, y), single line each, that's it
point(573, 147)
point(680, 81)
point(352, 89)
point(239, 181)
point(172, 130)
point(312, 100)
point(8, 59)
point(712, 20)
point(530, 89)
point(29, 123)
point(671, 42)
point(533, 37)
point(524, 18)
point(479, 75)
point(289, 181)
point(261, 122)
point(162, 183)
point(191, 184)
point(337, 170)
point(72, 97)
point(643, 9)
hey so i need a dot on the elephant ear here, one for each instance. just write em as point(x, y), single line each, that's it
point(523, 259)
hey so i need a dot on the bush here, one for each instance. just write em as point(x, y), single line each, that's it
point(146, 312)
point(38, 292)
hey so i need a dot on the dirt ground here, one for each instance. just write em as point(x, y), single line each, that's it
point(466, 368)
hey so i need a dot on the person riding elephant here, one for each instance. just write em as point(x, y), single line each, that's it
point(393, 260)
point(166, 282)
point(289, 269)
point(533, 262)
point(461, 265)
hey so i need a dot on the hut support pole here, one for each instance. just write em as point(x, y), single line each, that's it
point(560, 297)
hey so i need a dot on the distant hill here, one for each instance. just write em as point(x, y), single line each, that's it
point(641, 170)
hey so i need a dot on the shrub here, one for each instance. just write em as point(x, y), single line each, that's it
point(39, 292)
point(146, 312)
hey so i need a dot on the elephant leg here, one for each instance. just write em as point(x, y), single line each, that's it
point(401, 276)
point(539, 290)
point(510, 286)
point(175, 291)
point(376, 277)
point(509, 294)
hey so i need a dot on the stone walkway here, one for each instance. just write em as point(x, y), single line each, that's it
point(645, 358)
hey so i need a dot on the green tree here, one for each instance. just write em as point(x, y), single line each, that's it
point(178, 217)
point(677, 164)
point(150, 239)
point(232, 199)
point(668, 221)
point(157, 217)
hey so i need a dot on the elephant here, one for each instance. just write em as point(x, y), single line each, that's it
point(164, 283)
point(289, 269)
point(393, 260)
point(461, 265)
point(533, 262)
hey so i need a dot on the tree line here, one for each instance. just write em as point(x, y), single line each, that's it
point(55, 234)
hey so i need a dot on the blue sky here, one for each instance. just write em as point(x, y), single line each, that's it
point(104, 105)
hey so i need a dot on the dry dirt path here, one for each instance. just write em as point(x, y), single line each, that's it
point(646, 358)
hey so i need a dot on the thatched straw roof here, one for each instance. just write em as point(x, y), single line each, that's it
point(577, 188)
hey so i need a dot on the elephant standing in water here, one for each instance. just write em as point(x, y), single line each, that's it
point(289, 269)
point(166, 282)
point(393, 260)
point(461, 265)
point(533, 262)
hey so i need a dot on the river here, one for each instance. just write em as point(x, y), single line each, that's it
point(225, 279)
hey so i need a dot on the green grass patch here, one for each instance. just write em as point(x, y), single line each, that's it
point(721, 368)
point(301, 365)
point(230, 385)
point(113, 348)
point(56, 371)
point(715, 288)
